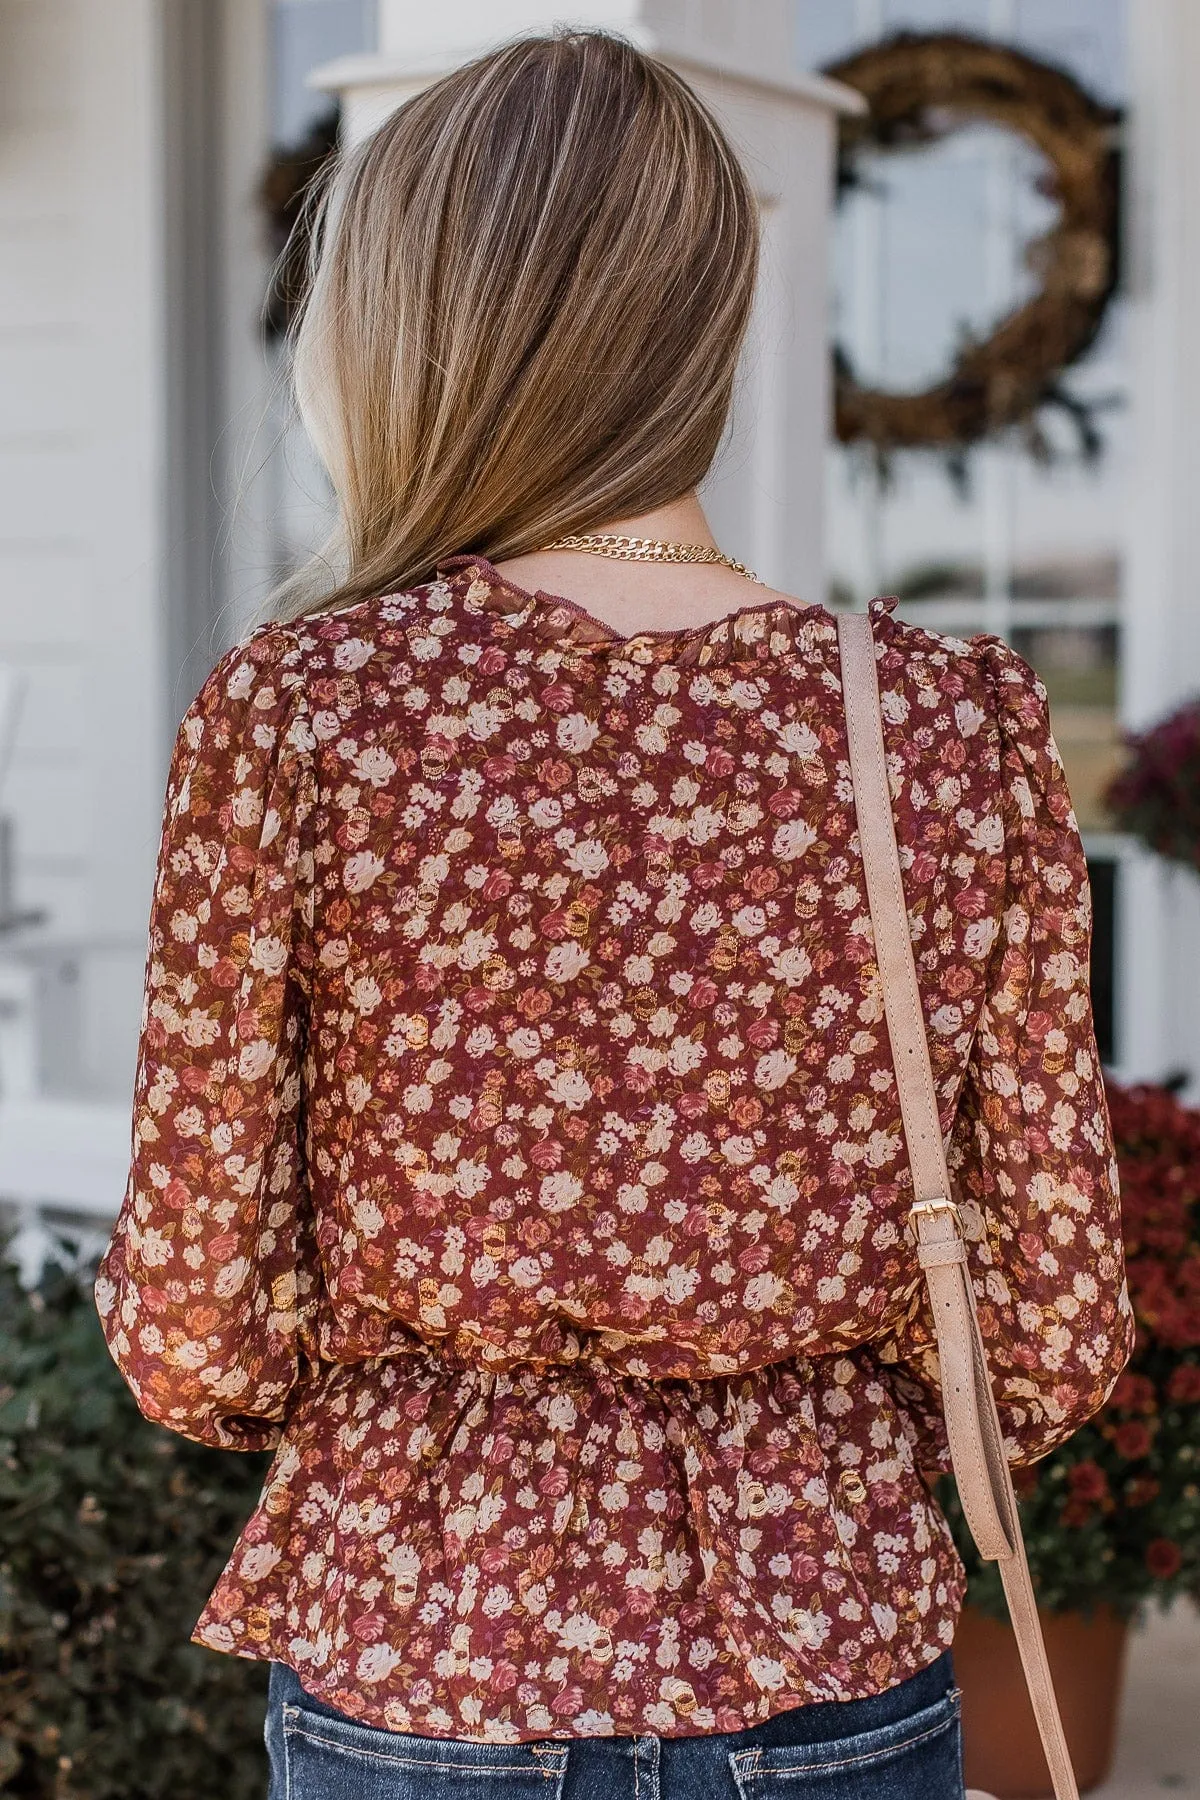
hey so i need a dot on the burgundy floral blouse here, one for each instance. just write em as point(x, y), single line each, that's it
point(517, 1151)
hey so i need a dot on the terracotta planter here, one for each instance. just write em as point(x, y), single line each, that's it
point(1001, 1750)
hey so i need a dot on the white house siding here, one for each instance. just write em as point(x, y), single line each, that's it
point(79, 482)
point(131, 270)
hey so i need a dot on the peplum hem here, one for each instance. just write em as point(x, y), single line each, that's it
point(470, 1523)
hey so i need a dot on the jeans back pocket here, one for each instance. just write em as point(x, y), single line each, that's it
point(915, 1758)
point(335, 1759)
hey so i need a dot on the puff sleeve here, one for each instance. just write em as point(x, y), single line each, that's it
point(206, 1291)
point(1031, 1149)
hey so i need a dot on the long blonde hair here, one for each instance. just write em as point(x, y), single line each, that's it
point(527, 298)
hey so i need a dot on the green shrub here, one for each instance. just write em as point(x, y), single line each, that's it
point(112, 1532)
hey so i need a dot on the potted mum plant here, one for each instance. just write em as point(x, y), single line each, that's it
point(1156, 795)
point(1112, 1518)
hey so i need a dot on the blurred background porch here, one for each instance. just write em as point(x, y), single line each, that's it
point(154, 484)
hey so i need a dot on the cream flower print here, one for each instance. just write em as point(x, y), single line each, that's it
point(517, 1151)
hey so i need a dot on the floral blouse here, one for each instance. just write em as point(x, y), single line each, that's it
point(517, 1151)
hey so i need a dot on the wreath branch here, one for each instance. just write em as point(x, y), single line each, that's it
point(921, 88)
point(291, 179)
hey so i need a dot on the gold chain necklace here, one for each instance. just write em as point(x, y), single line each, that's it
point(634, 549)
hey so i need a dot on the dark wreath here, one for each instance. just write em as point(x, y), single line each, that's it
point(288, 181)
point(919, 89)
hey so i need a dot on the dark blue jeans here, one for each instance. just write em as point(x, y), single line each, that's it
point(900, 1745)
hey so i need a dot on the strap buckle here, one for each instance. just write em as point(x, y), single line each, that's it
point(937, 1248)
point(931, 1208)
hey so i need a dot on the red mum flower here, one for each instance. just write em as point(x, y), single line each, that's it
point(1076, 1513)
point(1088, 1481)
point(1133, 1393)
point(1184, 1385)
point(1163, 1558)
point(1132, 1439)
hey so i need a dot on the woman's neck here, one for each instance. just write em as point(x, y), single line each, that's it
point(642, 596)
point(681, 521)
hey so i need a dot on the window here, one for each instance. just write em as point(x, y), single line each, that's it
point(932, 246)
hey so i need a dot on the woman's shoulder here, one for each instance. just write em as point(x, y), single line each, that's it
point(349, 642)
point(991, 692)
point(985, 661)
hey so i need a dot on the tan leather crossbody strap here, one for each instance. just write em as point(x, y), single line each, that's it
point(972, 1425)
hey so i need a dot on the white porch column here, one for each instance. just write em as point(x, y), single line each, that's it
point(1161, 660)
point(1161, 650)
point(765, 498)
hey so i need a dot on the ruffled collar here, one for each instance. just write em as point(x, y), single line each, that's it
point(758, 632)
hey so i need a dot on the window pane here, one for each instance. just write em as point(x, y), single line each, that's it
point(1078, 664)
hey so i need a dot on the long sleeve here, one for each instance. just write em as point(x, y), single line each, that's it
point(1031, 1149)
point(206, 1290)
